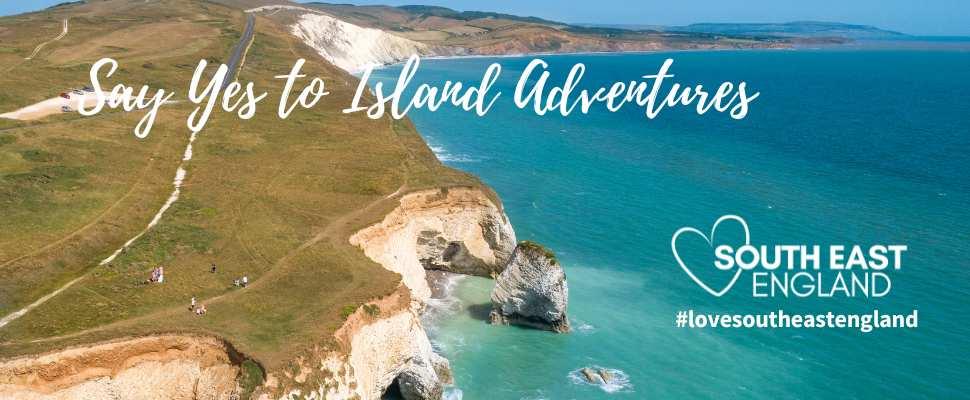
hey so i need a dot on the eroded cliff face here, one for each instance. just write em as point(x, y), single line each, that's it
point(456, 230)
point(158, 367)
point(532, 291)
point(354, 48)
point(381, 345)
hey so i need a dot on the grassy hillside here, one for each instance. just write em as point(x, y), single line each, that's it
point(481, 32)
point(272, 199)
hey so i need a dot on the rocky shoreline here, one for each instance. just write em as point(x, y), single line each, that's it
point(165, 366)
point(382, 346)
point(436, 233)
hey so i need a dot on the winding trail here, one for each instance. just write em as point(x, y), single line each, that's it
point(41, 46)
point(134, 185)
point(326, 232)
point(180, 175)
point(19, 313)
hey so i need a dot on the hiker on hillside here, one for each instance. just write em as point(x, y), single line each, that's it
point(213, 269)
point(161, 274)
point(192, 307)
point(245, 281)
point(200, 310)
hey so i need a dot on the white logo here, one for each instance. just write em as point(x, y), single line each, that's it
point(799, 270)
point(710, 241)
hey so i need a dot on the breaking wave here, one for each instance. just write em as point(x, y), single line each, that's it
point(445, 156)
point(583, 327)
point(619, 382)
point(452, 393)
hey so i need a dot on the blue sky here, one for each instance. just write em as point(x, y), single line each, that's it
point(920, 17)
point(8, 7)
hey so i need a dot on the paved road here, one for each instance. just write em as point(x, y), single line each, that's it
point(240, 48)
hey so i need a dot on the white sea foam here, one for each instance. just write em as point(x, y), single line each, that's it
point(444, 155)
point(619, 383)
point(583, 327)
point(451, 345)
point(452, 393)
point(438, 310)
point(444, 302)
point(459, 158)
point(441, 307)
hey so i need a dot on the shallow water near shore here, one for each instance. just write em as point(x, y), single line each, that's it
point(842, 147)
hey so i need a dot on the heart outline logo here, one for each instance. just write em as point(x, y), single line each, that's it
point(710, 241)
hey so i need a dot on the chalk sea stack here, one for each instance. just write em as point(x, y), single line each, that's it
point(531, 291)
point(425, 379)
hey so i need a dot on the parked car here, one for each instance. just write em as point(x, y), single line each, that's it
point(66, 96)
point(88, 89)
point(78, 91)
point(66, 109)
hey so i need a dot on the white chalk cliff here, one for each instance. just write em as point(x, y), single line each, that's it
point(157, 367)
point(532, 291)
point(381, 345)
point(457, 230)
point(353, 48)
point(392, 346)
point(377, 349)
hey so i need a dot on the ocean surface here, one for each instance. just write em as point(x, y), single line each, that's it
point(857, 146)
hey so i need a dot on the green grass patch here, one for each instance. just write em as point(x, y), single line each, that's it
point(536, 247)
point(372, 309)
point(22, 187)
point(271, 199)
point(37, 155)
point(348, 310)
point(251, 376)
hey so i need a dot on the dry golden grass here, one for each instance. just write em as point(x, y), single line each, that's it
point(489, 33)
point(149, 42)
point(272, 199)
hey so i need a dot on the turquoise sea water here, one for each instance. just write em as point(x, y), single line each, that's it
point(850, 147)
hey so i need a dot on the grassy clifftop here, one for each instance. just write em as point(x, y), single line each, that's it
point(490, 33)
point(272, 199)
